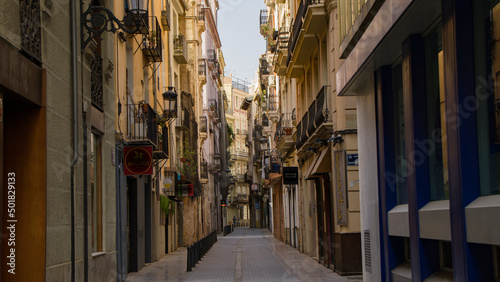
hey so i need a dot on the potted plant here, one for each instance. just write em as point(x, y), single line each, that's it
point(188, 166)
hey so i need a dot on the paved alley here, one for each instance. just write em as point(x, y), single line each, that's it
point(244, 255)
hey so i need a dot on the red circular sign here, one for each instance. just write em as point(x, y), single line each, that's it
point(138, 160)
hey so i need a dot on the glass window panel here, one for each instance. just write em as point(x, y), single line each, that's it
point(399, 135)
point(487, 54)
point(435, 144)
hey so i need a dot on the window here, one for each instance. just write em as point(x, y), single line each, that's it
point(436, 123)
point(399, 136)
point(487, 51)
point(496, 261)
point(445, 255)
point(96, 191)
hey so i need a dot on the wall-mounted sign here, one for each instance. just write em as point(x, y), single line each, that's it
point(255, 187)
point(291, 175)
point(185, 190)
point(352, 160)
point(340, 187)
point(138, 160)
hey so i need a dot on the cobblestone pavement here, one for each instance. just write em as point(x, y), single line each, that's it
point(244, 255)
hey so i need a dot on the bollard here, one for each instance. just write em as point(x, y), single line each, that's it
point(188, 258)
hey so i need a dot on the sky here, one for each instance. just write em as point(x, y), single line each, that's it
point(242, 43)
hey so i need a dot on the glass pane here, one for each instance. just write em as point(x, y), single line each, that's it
point(399, 136)
point(487, 27)
point(435, 144)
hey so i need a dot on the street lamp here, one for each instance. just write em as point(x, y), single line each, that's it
point(170, 103)
point(97, 19)
point(138, 7)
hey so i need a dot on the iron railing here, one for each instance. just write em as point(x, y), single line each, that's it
point(151, 43)
point(240, 84)
point(204, 170)
point(316, 115)
point(201, 12)
point(203, 124)
point(31, 32)
point(96, 88)
point(273, 100)
point(142, 123)
point(180, 49)
point(284, 126)
point(297, 24)
point(165, 16)
point(202, 67)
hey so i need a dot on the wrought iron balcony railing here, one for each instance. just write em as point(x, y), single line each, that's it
point(203, 124)
point(203, 170)
point(151, 43)
point(297, 24)
point(202, 67)
point(316, 115)
point(165, 16)
point(284, 127)
point(162, 152)
point(96, 85)
point(180, 49)
point(201, 12)
point(31, 32)
point(142, 123)
point(184, 120)
point(283, 38)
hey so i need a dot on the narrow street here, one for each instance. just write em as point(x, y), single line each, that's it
point(244, 255)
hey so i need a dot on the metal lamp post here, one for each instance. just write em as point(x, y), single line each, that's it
point(170, 103)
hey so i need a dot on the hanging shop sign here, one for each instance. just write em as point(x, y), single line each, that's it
point(185, 190)
point(138, 160)
point(340, 187)
point(291, 175)
point(352, 160)
point(255, 187)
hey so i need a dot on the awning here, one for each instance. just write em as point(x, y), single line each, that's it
point(321, 165)
point(273, 179)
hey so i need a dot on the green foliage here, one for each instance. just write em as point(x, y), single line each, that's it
point(190, 167)
point(166, 205)
point(230, 134)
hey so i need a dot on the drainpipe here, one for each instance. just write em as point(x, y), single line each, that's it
point(74, 73)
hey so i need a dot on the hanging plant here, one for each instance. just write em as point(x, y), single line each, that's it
point(166, 205)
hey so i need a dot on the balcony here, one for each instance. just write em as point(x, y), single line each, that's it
point(141, 119)
point(162, 152)
point(213, 110)
point(202, 71)
point(263, 67)
point(31, 32)
point(264, 24)
point(165, 16)
point(314, 124)
point(204, 172)
point(151, 43)
point(283, 136)
point(282, 51)
point(242, 198)
point(203, 124)
point(183, 121)
point(241, 131)
point(309, 21)
point(239, 177)
point(180, 49)
point(214, 165)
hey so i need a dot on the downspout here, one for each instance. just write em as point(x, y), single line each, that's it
point(75, 154)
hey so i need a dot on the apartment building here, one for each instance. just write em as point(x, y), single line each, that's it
point(312, 151)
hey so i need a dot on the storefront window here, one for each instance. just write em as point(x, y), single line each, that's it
point(487, 60)
point(399, 135)
point(435, 144)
